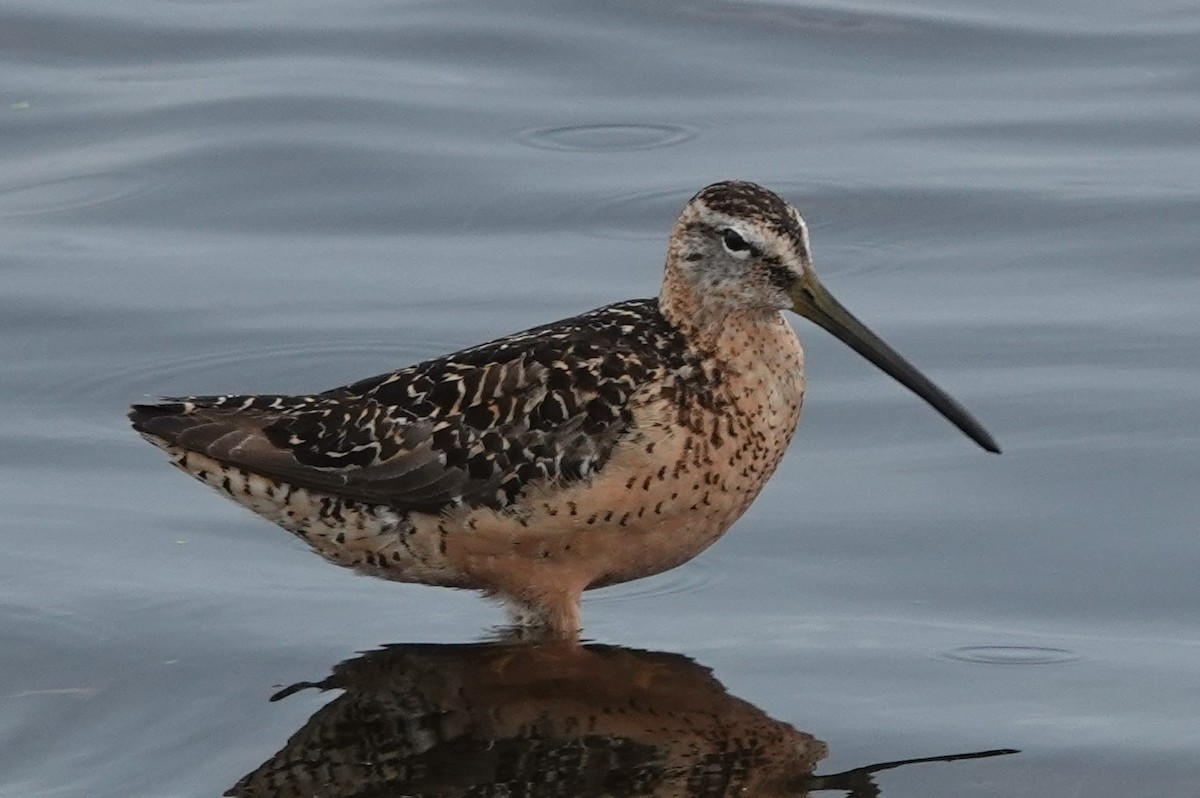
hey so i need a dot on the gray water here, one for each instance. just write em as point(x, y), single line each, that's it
point(200, 197)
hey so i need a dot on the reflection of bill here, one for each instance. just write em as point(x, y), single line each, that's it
point(541, 720)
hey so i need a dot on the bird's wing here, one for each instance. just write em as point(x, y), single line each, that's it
point(474, 428)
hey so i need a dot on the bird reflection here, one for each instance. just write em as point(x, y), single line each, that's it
point(550, 719)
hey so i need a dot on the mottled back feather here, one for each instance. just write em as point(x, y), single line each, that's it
point(473, 428)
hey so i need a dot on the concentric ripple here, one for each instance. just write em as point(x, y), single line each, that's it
point(695, 578)
point(609, 137)
point(1011, 655)
point(640, 216)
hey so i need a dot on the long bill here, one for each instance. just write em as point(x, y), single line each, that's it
point(812, 301)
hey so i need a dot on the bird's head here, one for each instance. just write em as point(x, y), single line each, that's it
point(743, 247)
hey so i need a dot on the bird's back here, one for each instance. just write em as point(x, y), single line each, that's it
point(474, 428)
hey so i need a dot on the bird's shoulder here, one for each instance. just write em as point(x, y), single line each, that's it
point(599, 354)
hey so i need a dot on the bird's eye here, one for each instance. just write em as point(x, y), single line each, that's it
point(734, 242)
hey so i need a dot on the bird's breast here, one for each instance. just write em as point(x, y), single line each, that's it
point(691, 464)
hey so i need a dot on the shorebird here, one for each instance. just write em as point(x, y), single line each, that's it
point(594, 450)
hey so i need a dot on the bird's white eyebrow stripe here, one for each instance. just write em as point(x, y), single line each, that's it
point(803, 227)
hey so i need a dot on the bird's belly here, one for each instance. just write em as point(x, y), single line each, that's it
point(666, 495)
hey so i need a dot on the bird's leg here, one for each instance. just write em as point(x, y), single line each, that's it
point(553, 616)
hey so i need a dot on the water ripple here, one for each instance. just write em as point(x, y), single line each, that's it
point(609, 137)
point(60, 194)
point(644, 215)
point(698, 576)
point(131, 381)
point(1011, 655)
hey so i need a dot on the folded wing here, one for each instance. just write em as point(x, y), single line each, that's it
point(474, 428)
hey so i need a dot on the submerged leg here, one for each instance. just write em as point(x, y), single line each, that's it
point(553, 616)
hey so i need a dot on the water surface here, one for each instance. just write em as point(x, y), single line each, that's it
point(267, 196)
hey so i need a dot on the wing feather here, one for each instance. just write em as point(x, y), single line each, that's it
point(474, 428)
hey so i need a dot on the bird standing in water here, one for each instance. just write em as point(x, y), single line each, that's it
point(594, 450)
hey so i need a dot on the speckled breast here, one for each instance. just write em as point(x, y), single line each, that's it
point(683, 475)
